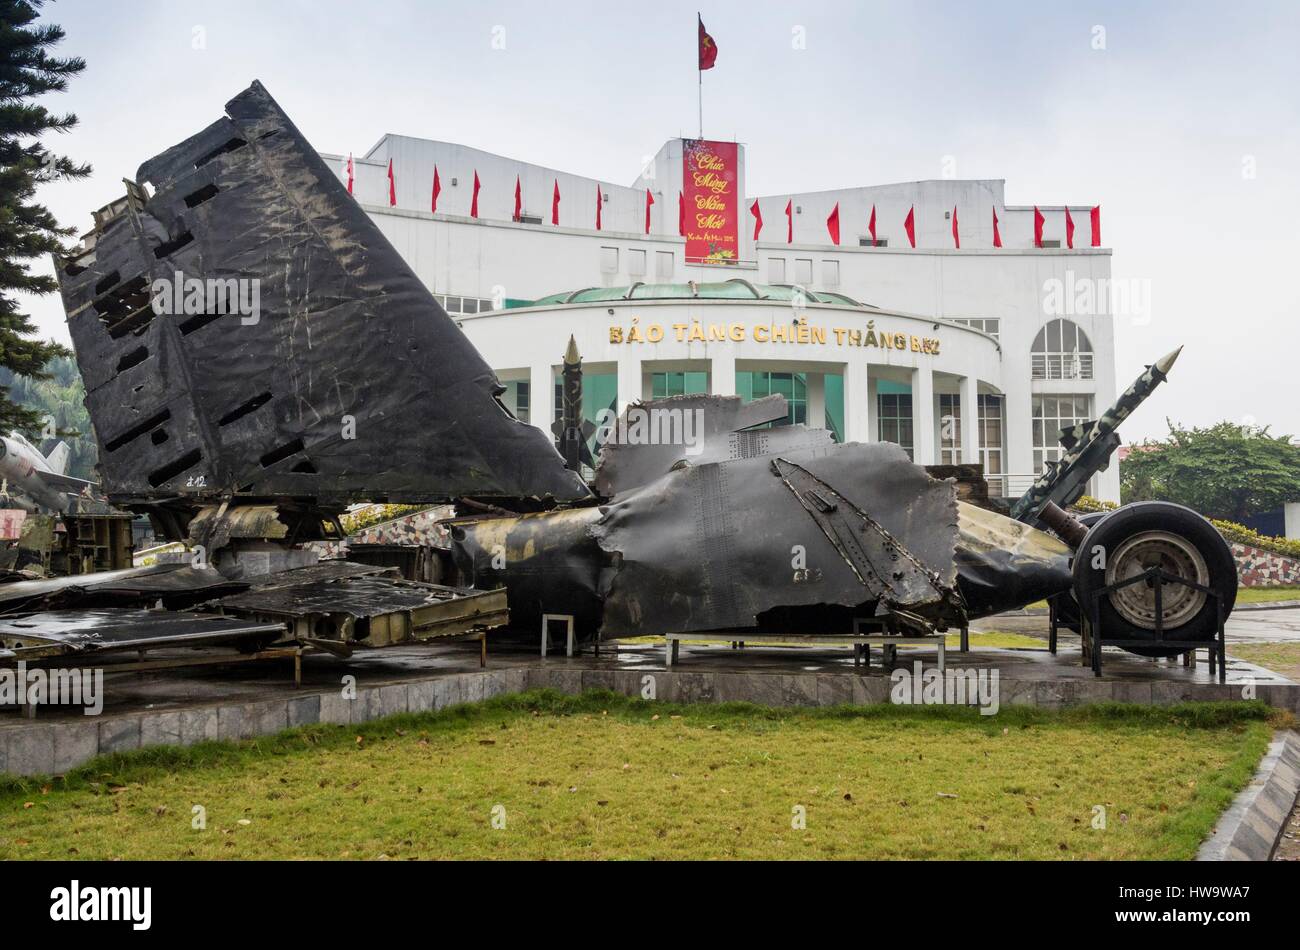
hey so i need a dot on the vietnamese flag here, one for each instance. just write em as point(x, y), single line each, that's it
point(473, 204)
point(871, 226)
point(1038, 227)
point(833, 224)
point(789, 218)
point(599, 202)
point(649, 200)
point(956, 238)
point(909, 225)
point(708, 48)
point(437, 189)
point(997, 235)
point(349, 173)
point(1096, 226)
point(555, 203)
point(758, 218)
point(1069, 229)
point(392, 186)
point(519, 201)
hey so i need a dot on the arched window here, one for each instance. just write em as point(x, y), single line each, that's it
point(1061, 351)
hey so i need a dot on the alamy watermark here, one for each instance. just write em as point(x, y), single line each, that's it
point(1097, 296)
point(652, 425)
point(191, 296)
point(950, 687)
point(53, 687)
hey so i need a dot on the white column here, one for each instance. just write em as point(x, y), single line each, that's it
point(541, 396)
point(857, 403)
point(970, 420)
point(816, 400)
point(629, 382)
point(873, 408)
point(923, 416)
point(722, 373)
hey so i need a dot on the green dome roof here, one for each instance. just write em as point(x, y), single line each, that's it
point(734, 289)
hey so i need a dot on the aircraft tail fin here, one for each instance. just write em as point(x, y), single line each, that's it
point(58, 459)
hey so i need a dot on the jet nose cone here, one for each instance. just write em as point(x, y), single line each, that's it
point(1166, 362)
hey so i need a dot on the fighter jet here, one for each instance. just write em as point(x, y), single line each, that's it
point(33, 480)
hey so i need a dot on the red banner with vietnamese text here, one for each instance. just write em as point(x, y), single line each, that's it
point(712, 201)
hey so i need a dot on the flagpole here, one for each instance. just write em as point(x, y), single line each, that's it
point(699, 72)
point(701, 75)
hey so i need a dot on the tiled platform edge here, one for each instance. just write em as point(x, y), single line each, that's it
point(42, 748)
point(1250, 828)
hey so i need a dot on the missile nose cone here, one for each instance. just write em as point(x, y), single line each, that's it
point(1166, 362)
point(571, 357)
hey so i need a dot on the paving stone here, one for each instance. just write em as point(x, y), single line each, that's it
point(1130, 692)
point(568, 682)
point(597, 679)
point(419, 696)
point(392, 700)
point(1015, 692)
point(516, 680)
point(799, 689)
point(304, 710)
point(366, 706)
point(834, 689)
point(200, 725)
point(1056, 695)
point(537, 678)
point(75, 743)
point(265, 718)
point(119, 734)
point(870, 690)
point(162, 728)
point(31, 749)
point(695, 687)
point(764, 689)
point(335, 709)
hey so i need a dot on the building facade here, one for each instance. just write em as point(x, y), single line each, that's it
point(974, 353)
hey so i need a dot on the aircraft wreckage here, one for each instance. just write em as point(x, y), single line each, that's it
point(247, 433)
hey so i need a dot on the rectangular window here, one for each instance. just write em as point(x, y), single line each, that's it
point(830, 273)
point(949, 429)
point(679, 384)
point(636, 262)
point(516, 398)
point(1050, 415)
point(990, 325)
point(894, 419)
point(793, 386)
point(664, 264)
point(803, 271)
point(609, 260)
point(867, 242)
point(991, 440)
point(776, 270)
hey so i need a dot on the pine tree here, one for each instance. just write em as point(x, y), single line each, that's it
point(27, 229)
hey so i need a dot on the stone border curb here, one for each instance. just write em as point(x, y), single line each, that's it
point(1249, 830)
point(39, 747)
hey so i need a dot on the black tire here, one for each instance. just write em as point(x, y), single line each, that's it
point(1140, 535)
point(1067, 608)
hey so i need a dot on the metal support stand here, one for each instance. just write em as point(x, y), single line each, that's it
point(1217, 648)
point(546, 632)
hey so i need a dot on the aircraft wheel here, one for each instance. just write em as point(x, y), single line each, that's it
point(1130, 540)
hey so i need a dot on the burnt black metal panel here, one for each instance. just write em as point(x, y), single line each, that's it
point(350, 384)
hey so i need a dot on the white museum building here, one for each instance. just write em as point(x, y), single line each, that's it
point(970, 353)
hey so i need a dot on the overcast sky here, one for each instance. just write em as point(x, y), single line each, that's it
point(1185, 127)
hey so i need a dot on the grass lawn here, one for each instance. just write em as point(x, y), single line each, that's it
point(602, 776)
point(1282, 658)
point(1264, 595)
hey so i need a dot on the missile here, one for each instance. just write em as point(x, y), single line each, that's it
point(1089, 446)
point(571, 429)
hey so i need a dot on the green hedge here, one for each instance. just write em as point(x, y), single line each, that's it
point(1230, 530)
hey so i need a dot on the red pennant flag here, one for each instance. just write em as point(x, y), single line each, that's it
point(392, 186)
point(997, 235)
point(681, 214)
point(789, 221)
point(349, 173)
point(1069, 229)
point(956, 237)
point(871, 226)
point(1038, 227)
point(473, 204)
point(599, 202)
point(555, 203)
point(833, 224)
point(909, 225)
point(1096, 226)
point(519, 201)
point(649, 200)
point(708, 48)
point(437, 190)
point(758, 218)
